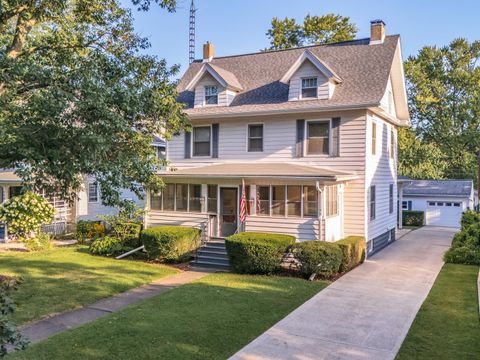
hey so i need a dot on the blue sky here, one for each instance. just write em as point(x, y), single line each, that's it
point(239, 26)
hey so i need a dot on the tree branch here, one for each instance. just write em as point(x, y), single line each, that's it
point(23, 27)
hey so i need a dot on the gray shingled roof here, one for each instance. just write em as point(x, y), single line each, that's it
point(363, 68)
point(462, 188)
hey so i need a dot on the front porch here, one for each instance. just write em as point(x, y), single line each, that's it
point(302, 201)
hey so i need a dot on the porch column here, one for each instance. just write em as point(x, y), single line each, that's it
point(400, 207)
point(147, 209)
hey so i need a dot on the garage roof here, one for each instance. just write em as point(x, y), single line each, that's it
point(460, 188)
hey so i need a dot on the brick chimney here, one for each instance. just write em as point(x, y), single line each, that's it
point(377, 32)
point(208, 52)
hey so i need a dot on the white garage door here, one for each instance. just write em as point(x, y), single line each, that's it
point(442, 213)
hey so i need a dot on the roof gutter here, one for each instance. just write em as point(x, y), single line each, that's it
point(282, 111)
point(334, 178)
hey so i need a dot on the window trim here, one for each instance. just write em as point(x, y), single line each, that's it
point(205, 103)
point(248, 137)
point(306, 137)
point(374, 140)
point(192, 142)
point(97, 192)
point(301, 97)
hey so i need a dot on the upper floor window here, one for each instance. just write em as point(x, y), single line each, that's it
point(211, 95)
point(374, 138)
point(255, 137)
point(309, 88)
point(201, 140)
point(161, 153)
point(318, 133)
point(93, 192)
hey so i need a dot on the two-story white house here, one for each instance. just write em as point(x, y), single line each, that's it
point(311, 131)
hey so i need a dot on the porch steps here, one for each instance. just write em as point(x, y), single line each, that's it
point(213, 254)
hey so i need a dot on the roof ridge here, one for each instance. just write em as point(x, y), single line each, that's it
point(346, 42)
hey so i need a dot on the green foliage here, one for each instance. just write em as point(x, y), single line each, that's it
point(107, 246)
point(353, 250)
point(418, 159)
point(79, 95)
point(89, 229)
point(318, 257)
point(443, 93)
point(329, 28)
point(126, 224)
point(8, 331)
point(170, 243)
point(413, 218)
point(470, 217)
point(257, 253)
point(465, 247)
point(26, 213)
point(41, 241)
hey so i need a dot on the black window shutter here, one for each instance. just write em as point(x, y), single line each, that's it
point(215, 128)
point(300, 137)
point(188, 141)
point(336, 136)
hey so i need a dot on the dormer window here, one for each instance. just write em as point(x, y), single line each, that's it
point(211, 95)
point(309, 88)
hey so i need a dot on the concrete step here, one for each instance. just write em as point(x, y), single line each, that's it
point(213, 245)
point(210, 264)
point(212, 252)
point(213, 257)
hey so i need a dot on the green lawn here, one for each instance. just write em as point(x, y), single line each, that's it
point(447, 325)
point(211, 318)
point(66, 278)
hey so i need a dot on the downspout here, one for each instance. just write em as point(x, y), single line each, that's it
point(320, 225)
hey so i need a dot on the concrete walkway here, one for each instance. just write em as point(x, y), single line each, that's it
point(367, 313)
point(43, 329)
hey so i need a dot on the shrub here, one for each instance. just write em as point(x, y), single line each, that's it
point(463, 255)
point(126, 224)
point(41, 241)
point(170, 243)
point(353, 250)
point(9, 335)
point(25, 213)
point(319, 257)
point(470, 217)
point(413, 218)
point(87, 229)
point(257, 253)
point(107, 246)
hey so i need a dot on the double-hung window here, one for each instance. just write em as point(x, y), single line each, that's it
point(211, 95)
point(318, 137)
point(372, 202)
point(93, 192)
point(255, 137)
point(309, 88)
point(202, 140)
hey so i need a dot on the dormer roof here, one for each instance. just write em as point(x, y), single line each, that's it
point(319, 64)
point(360, 70)
point(225, 78)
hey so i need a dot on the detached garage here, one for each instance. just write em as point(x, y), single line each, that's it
point(442, 201)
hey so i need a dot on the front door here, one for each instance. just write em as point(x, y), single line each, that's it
point(228, 211)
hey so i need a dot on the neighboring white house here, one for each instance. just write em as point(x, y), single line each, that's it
point(442, 201)
point(311, 131)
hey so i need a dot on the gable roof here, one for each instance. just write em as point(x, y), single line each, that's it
point(440, 188)
point(364, 70)
point(224, 77)
point(319, 64)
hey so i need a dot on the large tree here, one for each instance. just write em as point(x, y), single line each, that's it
point(444, 99)
point(78, 97)
point(329, 28)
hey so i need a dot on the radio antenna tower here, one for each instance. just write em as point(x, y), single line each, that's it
point(191, 43)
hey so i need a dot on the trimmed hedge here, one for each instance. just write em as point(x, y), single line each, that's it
point(257, 253)
point(322, 258)
point(353, 250)
point(413, 218)
point(470, 217)
point(170, 243)
point(465, 247)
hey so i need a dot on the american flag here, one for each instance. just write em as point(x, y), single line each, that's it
point(243, 204)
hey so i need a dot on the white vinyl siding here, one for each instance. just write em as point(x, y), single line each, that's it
point(279, 146)
point(381, 171)
point(308, 70)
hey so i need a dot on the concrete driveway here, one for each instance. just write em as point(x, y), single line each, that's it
point(366, 314)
